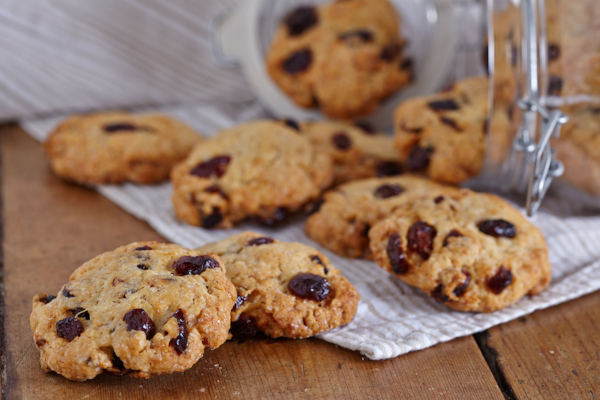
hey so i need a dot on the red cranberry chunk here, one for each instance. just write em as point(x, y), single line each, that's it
point(438, 199)
point(438, 294)
point(213, 219)
point(386, 191)
point(80, 313)
point(278, 215)
point(309, 286)
point(143, 267)
point(395, 253)
point(238, 302)
point(366, 127)
point(316, 259)
point(388, 168)
point(217, 190)
point(453, 233)
point(553, 52)
point(119, 127)
point(444, 105)
point(260, 241)
point(47, 299)
point(497, 228)
point(342, 141)
point(214, 166)
point(555, 85)
point(363, 35)
point(180, 342)
point(143, 248)
point(451, 123)
point(66, 293)
point(292, 124)
point(138, 320)
point(500, 281)
point(243, 329)
point(390, 52)
point(459, 290)
point(300, 20)
point(298, 62)
point(69, 328)
point(420, 238)
point(189, 265)
point(418, 159)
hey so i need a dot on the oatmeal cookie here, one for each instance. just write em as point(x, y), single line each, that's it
point(443, 135)
point(342, 222)
point(470, 251)
point(344, 57)
point(358, 152)
point(284, 289)
point(261, 169)
point(115, 147)
point(144, 309)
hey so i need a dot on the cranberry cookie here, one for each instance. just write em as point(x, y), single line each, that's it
point(344, 57)
point(358, 152)
point(261, 169)
point(144, 309)
point(284, 289)
point(470, 251)
point(342, 222)
point(115, 147)
point(443, 135)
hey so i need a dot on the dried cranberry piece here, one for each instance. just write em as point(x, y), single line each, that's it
point(438, 294)
point(462, 288)
point(438, 199)
point(395, 253)
point(497, 228)
point(214, 166)
point(112, 128)
point(388, 168)
point(386, 191)
point(47, 299)
point(555, 85)
point(363, 35)
point(300, 20)
point(500, 281)
point(453, 233)
point(553, 52)
point(194, 265)
point(260, 241)
point(420, 238)
point(418, 159)
point(316, 206)
point(309, 286)
point(407, 64)
point(238, 302)
point(143, 248)
point(317, 260)
point(118, 364)
point(180, 342)
point(451, 123)
point(143, 267)
point(444, 105)
point(390, 52)
point(243, 329)
point(79, 312)
point(366, 127)
point(213, 219)
point(341, 141)
point(298, 62)
point(278, 215)
point(66, 293)
point(139, 320)
point(291, 124)
point(69, 328)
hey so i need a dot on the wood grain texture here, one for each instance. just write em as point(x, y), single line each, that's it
point(52, 227)
point(552, 353)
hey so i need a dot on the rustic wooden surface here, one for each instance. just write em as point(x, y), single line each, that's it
point(50, 228)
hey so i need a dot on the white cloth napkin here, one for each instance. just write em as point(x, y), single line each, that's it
point(393, 318)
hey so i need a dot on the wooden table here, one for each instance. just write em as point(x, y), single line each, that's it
point(50, 228)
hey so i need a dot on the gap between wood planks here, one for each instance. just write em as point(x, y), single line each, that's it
point(490, 355)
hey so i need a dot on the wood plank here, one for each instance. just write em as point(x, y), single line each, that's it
point(50, 228)
point(552, 353)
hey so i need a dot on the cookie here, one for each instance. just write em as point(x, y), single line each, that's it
point(358, 152)
point(342, 222)
point(470, 251)
point(144, 309)
point(284, 289)
point(344, 57)
point(578, 148)
point(261, 169)
point(443, 135)
point(115, 147)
